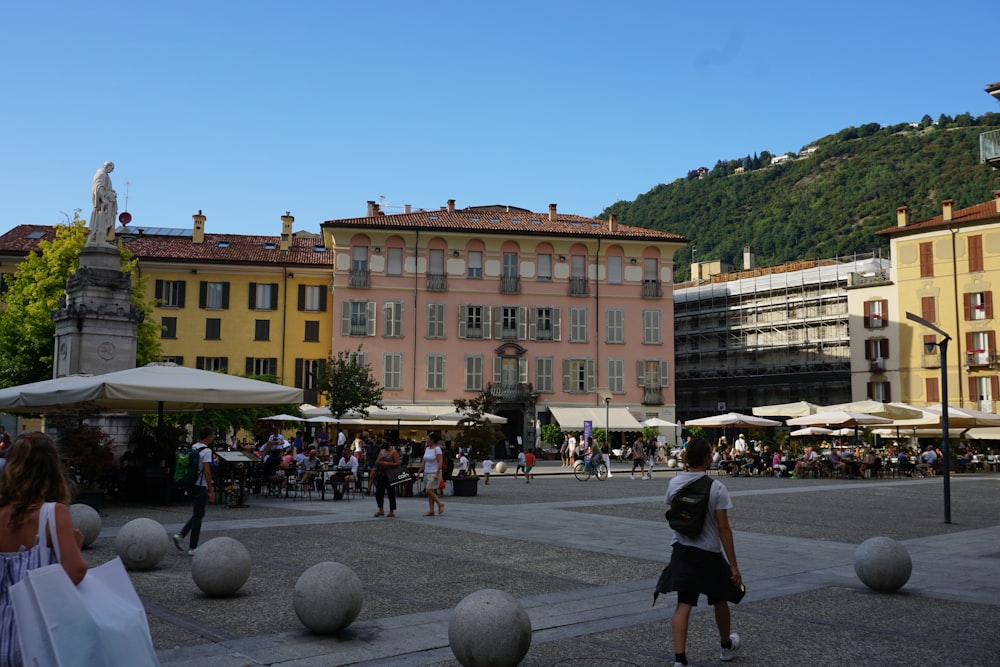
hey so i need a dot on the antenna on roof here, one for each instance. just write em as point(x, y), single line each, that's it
point(125, 216)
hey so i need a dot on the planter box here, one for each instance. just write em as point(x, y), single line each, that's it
point(466, 486)
point(92, 497)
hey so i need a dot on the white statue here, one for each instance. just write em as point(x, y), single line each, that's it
point(105, 213)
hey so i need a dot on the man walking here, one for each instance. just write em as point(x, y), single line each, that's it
point(696, 563)
point(202, 492)
point(638, 458)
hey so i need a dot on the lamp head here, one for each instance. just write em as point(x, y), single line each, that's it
point(929, 347)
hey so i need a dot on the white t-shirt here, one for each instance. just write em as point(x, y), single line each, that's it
point(463, 464)
point(572, 444)
point(349, 462)
point(487, 466)
point(740, 446)
point(204, 456)
point(718, 499)
point(430, 460)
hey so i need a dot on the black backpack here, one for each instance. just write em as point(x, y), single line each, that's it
point(689, 507)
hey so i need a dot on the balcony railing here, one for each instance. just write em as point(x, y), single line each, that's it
point(874, 321)
point(360, 278)
point(652, 396)
point(510, 392)
point(980, 358)
point(508, 333)
point(543, 334)
point(359, 328)
point(930, 361)
point(578, 287)
point(879, 277)
point(474, 333)
point(876, 366)
point(437, 282)
point(989, 148)
point(651, 289)
point(510, 285)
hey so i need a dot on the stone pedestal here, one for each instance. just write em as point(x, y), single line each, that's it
point(96, 325)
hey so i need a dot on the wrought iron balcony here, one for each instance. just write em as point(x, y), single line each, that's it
point(437, 282)
point(578, 287)
point(474, 333)
point(510, 392)
point(652, 396)
point(359, 328)
point(508, 333)
point(876, 366)
point(989, 148)
point(651, 289)
point(980, 358)
point(360, 278)
point(510, 285)
point(543, 334)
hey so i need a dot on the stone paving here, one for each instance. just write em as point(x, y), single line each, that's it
point(583, 557)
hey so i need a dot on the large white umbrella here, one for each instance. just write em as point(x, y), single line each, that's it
point(150, 388)
point(323, 419)
point(656, 422)
point(796, 409)
point(811, 430)
point(957, 418)
point(838, 418)
point(870, 407)
point(457, 417)
point(731, 419)
point(282, 418)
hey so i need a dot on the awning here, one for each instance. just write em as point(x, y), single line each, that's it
point(617, 419)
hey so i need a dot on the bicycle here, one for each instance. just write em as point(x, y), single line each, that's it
point(595, 467)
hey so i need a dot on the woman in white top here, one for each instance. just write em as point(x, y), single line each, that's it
point(431, 469)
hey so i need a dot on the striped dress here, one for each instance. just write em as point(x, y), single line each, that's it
point(13, 568)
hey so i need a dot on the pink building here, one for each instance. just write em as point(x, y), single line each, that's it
point(548, 311)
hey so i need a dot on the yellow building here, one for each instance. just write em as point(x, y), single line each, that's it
point(944, 270)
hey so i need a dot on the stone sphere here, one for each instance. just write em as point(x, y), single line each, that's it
point(672, 463)
point(882, 564)
point(220, 566)
point(489, 628)
point(86, 519)
point(328, 597)
point(501, 468)
point(141, 544)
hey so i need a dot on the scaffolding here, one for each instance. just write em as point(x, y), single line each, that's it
point(766, 335)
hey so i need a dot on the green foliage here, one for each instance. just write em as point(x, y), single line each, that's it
point(348, 385)
point(552, 435)
point(150, 443)
point(479, 436)
point(650, 431)
point(27, 333)
point(600, 435)
point(695, 431)
point(825, 205)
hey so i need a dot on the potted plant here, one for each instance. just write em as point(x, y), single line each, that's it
point(87, 452)
point(478, 437)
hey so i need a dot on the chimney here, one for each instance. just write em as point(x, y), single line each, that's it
point(902, 216)
point(749, 262)
point(552, 212)
point(198, 233)
point(946, 209)
point(286, 231)
point(407, 208)
point(613, 222)
point(372, 209)
point(996, 199)
point(451, 205)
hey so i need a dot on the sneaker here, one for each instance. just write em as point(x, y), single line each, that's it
point(178, 541)
point(631, 476)
point(727, 654)
point(190, 552)
point(646, 477)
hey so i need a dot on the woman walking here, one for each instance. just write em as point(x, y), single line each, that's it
point(388, 458)
point(32, 484)
point(431, 469)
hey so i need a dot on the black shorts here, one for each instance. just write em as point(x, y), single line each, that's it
point(695, 572)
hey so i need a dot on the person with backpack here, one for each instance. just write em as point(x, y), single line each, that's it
point(200, 490)
point(699, 519)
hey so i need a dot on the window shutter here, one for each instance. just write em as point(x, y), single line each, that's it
point(967, 306)
point(497, 317)
point(974, 389)
point(931, 390)
point(884, 309)
point(991, 341)
point(869, 353)
point(969, 342)
point(556, 328)
point(522, 323)
point(298, 374)
point(345, 318)
point(225, 364)
point(868, 314)
point(926, 260)
point(181, 288)
point(497, 366)
point(487, 321)
point(225, 295)
point(522, 370)
point(975, 253)
point(871, 390)
point(322, 298)
point(589, 367)
point(199, 362)
point(566, 375)
point(994, 387)
point(928, 308)
point(463, 322)
point(302, 297)
point(640, 372)
point(887, 392)
point(533, 324)
point(158, 290)
point(885, 348)
point(387, 318)
point(202, 294)
point(664, 374)
point(274, 296)
point(249, 370)
point(253, 296)
point(370, 307)
point(988, 304)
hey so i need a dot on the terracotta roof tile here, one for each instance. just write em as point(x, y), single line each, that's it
point(491, 221)
point(240, 249)
point(964, 216)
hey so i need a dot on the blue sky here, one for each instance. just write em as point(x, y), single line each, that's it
point(248, 109)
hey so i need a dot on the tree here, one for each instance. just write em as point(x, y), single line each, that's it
point(347, 384)
point(27, 333)
point(478, 435)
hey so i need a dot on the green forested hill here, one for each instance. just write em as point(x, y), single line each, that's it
point(824, 205)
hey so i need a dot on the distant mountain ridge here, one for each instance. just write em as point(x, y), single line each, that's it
point(822, 203)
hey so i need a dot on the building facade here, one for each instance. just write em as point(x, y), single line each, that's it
point(542, 310)
point(944, 270)
point(770, 335)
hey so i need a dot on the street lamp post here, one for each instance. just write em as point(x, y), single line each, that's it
point(943, 348)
